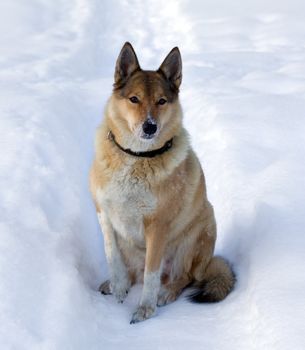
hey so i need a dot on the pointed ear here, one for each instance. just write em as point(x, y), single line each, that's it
point(126, 64)
point(171, 67)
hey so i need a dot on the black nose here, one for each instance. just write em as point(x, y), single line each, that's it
point(149, 127)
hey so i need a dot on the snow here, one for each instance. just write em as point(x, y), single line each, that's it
point(243, 95)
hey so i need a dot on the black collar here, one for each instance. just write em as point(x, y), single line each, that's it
point(148, 154)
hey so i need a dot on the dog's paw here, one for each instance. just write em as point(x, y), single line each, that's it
point(120, 294)
point(119, 290)
point(166, 296)
point(105, 288)
point(143, 313)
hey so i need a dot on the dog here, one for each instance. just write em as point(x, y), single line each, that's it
point(150, 194)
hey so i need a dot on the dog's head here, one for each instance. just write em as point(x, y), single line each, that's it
point(146, 102)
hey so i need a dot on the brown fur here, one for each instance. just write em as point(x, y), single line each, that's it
point(164, 196)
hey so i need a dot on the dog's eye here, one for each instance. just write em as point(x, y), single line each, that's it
point(134, 99)
point(162, 101)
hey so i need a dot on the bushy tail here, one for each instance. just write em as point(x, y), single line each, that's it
point(218, 282)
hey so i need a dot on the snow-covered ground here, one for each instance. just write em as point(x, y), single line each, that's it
point(244, 103)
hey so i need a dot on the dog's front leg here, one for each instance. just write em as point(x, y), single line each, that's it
point(154, 253)
point(119, 278)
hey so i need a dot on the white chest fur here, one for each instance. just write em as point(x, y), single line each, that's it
point(125, 200)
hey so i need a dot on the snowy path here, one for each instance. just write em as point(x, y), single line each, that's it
point(243, 97)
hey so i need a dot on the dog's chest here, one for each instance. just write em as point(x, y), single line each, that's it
point(126, 200)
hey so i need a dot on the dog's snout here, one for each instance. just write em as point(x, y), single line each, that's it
point(149, 127)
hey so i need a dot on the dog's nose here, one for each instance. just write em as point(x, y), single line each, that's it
point(149, 127)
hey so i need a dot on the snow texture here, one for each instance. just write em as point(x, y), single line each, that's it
point(243, 95)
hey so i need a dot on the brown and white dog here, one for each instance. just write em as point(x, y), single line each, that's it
point(149, 191)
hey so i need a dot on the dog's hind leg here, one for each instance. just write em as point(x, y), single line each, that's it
point(169, 292)
point(105, 288)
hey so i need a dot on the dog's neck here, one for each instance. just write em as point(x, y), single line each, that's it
point(145, 154)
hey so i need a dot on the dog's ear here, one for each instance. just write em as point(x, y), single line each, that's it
point(171, 67)
point(126, 64)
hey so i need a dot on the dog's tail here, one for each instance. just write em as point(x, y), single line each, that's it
point(219, 280)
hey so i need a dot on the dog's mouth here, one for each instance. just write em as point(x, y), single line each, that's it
point(147, 136)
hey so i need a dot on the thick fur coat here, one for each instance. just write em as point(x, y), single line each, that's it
point(159, 227)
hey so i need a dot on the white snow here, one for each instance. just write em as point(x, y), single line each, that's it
point(243, 95)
